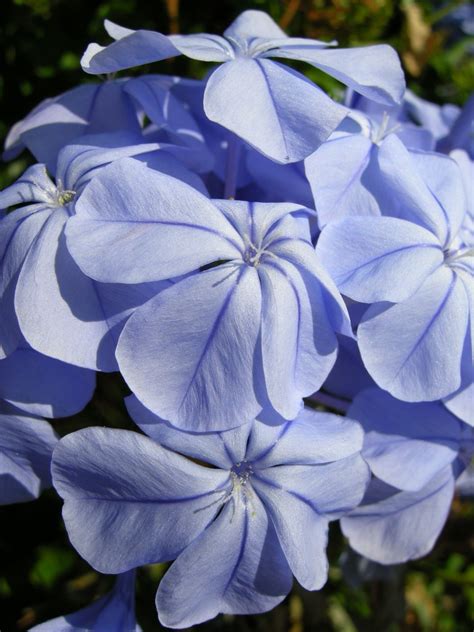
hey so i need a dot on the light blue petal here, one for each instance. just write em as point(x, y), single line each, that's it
point(444, 180)
point(302, 255)
point(302, 533)
point(43, 386)
point(235, 567)
point(413, 349)
point(405, 445)
point(405, 525)
point(211, 447)
point(60, 311)
point(331, 489)
point(312, 438)
point(404, 193)
point(26, 445)
point(250, 24)
point(133, 49)
point(86, 109)
point(261, 223)
point(245, 90)
point(299, 346)
point(80, 161)
point(129, 502)
point(18, 232)
point(203, 46)
point(336, 172)
point(114, 612)
point(151, 226)
point(33, 186)
point(378, 258)
point(373, 71)
point(197, 341)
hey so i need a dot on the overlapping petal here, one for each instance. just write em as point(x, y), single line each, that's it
point(114, 611)
point(189, 371)
point(338, 185)
point(250, 24)
point(268, 116)
point(222, 449)
point(249, 571)
point(152, 227)
point(373, 71)
point(405, 444)
point(404, 525)
point(413, 349)
point(26, 446)
point(312, 438)
point(43, 386)
point(128, 501)
point(299, 345)
point(404, 193)
point(378, 259)
point(18, 232)
point(134, 48)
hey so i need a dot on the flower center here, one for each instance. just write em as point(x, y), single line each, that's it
point(64, 197)
point(383, 130)
point(253, 254)
point(454, 256)
point(61, 195)
point(241, 473)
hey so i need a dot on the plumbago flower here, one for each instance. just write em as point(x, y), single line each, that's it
point(115, 612)
point(238, 529)
point(43, 294)
point(416, 452)
point(57, 122)
point(351, 186)
point(253, 96)
point(416, 268)
point(252, 324)
point(112, 106)
point(26, 447)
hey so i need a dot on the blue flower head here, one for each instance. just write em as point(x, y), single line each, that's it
point(238, 529)
point(415, 266)
point(253, 96)
point(252, 323)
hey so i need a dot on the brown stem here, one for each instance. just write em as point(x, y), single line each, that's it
point(291, 10)
point(172, 6)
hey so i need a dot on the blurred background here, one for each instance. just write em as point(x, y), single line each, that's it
point(41, 576)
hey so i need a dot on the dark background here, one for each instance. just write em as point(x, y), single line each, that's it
point(41, 576)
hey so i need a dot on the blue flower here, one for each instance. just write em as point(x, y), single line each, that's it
point(92, 108)
point(267, 115)
point(416, 452)
point(226, 341)
point(344, 172)
point(43, 294)
point(415, 265)
point(238, 529)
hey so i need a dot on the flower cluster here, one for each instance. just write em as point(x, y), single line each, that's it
point(248, 253)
